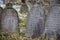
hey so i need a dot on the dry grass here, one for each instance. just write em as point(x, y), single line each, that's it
point(16, 36)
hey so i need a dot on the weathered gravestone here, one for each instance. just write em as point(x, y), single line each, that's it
point(9, 19)
point(35, 22)
point(53, 20)
point(1, 9)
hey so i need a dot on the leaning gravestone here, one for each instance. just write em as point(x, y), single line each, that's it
point(9, 19)
point(1, 10)
point(35, 22)
point(53, 20)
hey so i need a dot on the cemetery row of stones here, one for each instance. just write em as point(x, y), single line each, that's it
point(37, 23)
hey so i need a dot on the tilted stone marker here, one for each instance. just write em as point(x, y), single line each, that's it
point(9, 19)
point(53, 20)
point(35, 22)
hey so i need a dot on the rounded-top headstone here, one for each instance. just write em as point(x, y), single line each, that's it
point(9, 19)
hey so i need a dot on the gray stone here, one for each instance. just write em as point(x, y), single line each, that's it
point(35, 22)
point(9, 20)
point(52, 27)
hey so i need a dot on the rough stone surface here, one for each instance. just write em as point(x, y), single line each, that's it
point(9, 20)
point(53, 21)
point(35, 22)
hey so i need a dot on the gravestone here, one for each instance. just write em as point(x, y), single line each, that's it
point(1, 10)
point(35, 22)
point(53, 20)
point(9, 19)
